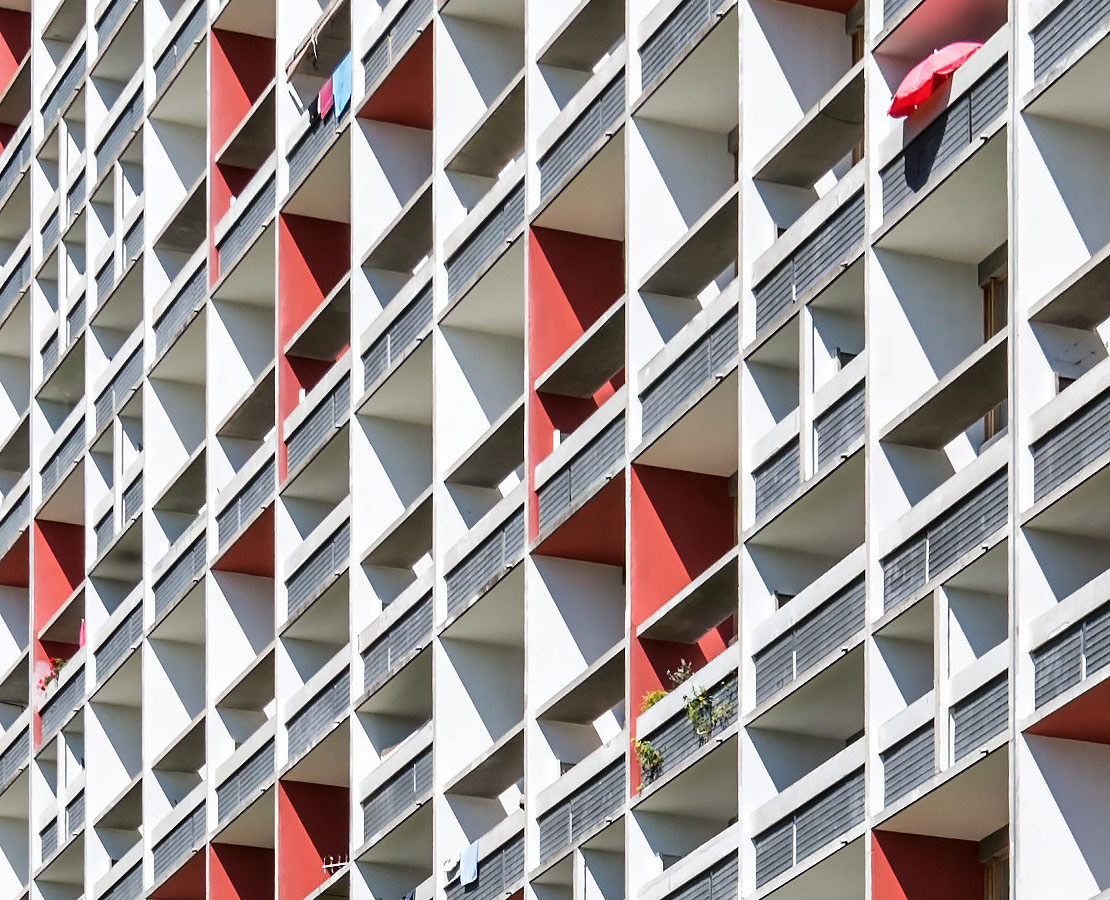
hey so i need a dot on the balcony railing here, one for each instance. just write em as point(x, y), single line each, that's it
point(120, 387)
point(133, 242)
point(252, 497)
point(679, 737)
point(1071, 656)
point(48, 838)
point(181, 309)
point(486, 242)
point(114, 141)
point(484, 566)
point(104, 531)
point(75, 318)
point(908, 763)
point(330, 559)
point(13, 523)
point(404, 332)
point(51, 230)
point(391, 46)
point(694, 370)
point(580, 478)
point(20, 158)
point(599, 117)
point(718, 882)
point(499, 874)
point(1064, 29)
point(410, 631)
point(129, 886)
point(133, 498)
point(1072, 445)
point(63, 459)
point(412, 784)
point(119, 643)
point(319, 425)
point(75, 196)
point(569, 820)
point(322, 711)
point(981, 715)
point(179, 577)
point(62, 705)
point(15, 284)
point(669, 40)
point(816, 636)
point(243, 784)
point(15, 759)
point(186, 836)
point(311, 145)
point(187, 35)
point(952, 534)
point(891, 9)
point(242, 232)
point(840, 425)
point(777, 478)
point(110, 18)
point(62, 91)
point(75, 815)
point(105, 279)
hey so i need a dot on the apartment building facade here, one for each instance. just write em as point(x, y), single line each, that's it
point(553, 450)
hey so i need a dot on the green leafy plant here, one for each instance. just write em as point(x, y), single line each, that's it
point(681, 673)
point(651, 698)
point(705, 714)
point(56, 663)
point(650, 759)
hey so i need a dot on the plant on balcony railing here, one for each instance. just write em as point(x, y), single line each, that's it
point(676, 676)
point(53, 672)
point(650, 759)
point(651, 698)
point(705, 713)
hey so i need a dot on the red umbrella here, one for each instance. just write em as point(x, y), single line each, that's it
point(928, 75)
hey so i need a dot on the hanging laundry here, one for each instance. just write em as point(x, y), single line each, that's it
point(468, 865)
point(324, 100)
point(81, 635)
point(341, 85)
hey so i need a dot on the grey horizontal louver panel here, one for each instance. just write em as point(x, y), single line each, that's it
point(14, 759)
point(12, 525)
point(955, 532)
point(62, 705)
point(239, 236)
point(391, 46)
point(63, 458)
point(186, 836)
point(110, 18)
point(105, 279)
point(117, 645)
point(774, 666)
point(50, 231)
point(187, 35)
point(670, 38)
point(104, 532)
point(676, 739)
point(486, 564)
point(62, 91)
point(397, 795)
point(133, 242)
point(242, 785)
point(75, 319)
point(129, 887)
point(812, 262)
point(312, 143)
point(812, 826)
point(908, 763)
point(179, 577)
point(76, 195)
point(499, 873)
point(20, 157)
point(594, 121)
point(15, 284)
point(891, 8)
point(580, 477)
point(75, 814)
point(485, 242)
point(570, 819)
point(1064, 29)
point(1096, 640)
point(1058, 665)
point(945, 137)
point(125, 381)
point(696, 368)
point(777, 478)
point(49, 838)
point(980, 716)
point(406, 634)
point(840, 425)
point(413, 321)
point(321, 712)
point(254, 496)
point(330, 559)
point(718, 882)
point(1072, 445)
point(50, 354)
point(114, 141)
point(318, 426)
point(133, 498)
point(181, 309)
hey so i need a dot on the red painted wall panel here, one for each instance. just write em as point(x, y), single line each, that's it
point(405, 96)
point(312, 824)
point(15, 567)
point(923, 867)
point(15, 41)
point(59, 566)
point(242, 65)
point(240, 873)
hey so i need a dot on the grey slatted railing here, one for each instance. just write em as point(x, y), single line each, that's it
point(403, 332)
point(19, 159)
point(811, 827)
point(63, 459)
point(75, 319)
point(1072, 445)
point(967, 523)
point(15, 284)
point(133, 242)
point(677, 738)
point(956, 128)
point(185, 837)
point(412, 784)
point(699, 366)
point(718, 882)
point(310, 146)
point(63, 90)
point(486, 241)
point(598, 118)
point(50, 354)
point(113, 142)
point(62, 705)
point(840, 425)
point(320, 713)
point(105, 279)
point(188, 34)
point(980, 716)
point(180, 577)
point(670, 39)
point(129, 886)
point(777, 478)
point(119, 643)
point(892, 8)
point(319, 425)
point(500, 872)
point(252, 497)
point(119, 388)
point(133, 498)
point(411, 630)
point(14, 521)
point(1069, 657)
point(104, 531)
point(329, 560)
point(239, 236)
point(813, 260)
point(109, 19)
point(486, 564)
point(580, 478)
point(75, 197)
point(75, 814)
point(391, 46)
point(1064, 29)
point(182, 309)
point(817, 635)
point(569, 820)
point(51, 230)
point(908, 763)
point(15, 759)
point(49, 838)
point(244, 783)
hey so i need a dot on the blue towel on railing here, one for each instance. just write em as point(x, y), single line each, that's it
point(468, 865)
point(341, 86)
